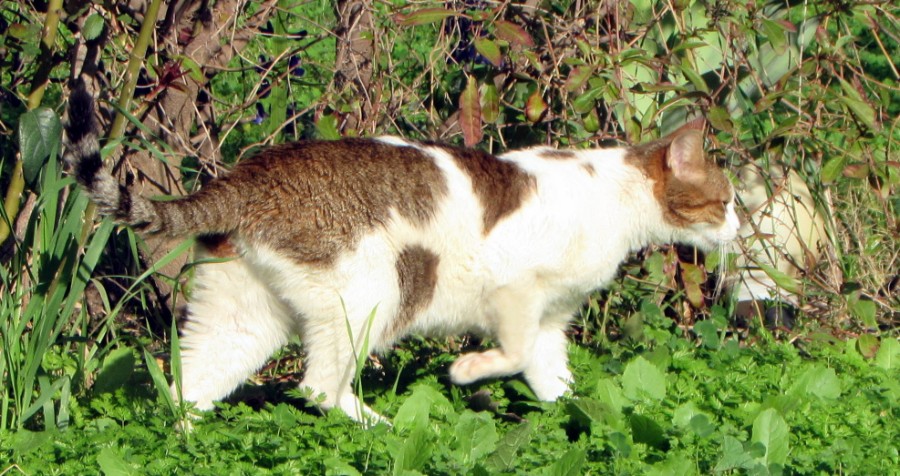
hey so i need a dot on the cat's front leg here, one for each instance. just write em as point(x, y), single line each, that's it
point(548, 374)
point(516, 318)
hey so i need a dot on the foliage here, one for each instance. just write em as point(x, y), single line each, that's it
point(674, 409)
point(667, 383)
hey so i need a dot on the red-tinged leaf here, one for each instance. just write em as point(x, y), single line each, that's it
point(857, 171)
point(489, 50)
point(535, 107)
point(470, 113)
point(424, 16)
point(490, 103)
point(693, 277)
point(578, 77)
point(514, 34)
point(788, 26)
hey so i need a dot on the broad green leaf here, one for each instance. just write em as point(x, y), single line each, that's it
point(417, 408)
point(888, 356)
point(93, 27)
point(569, 465)
point(833, 168)
point(26, 441)
point(709, 334)
point(770, 429)
point(864, 310)
point(818, 381)
point(513, 33)
point(111, 463)
point(734, 455)
point(425, 16)
point(335, 466)
point(489, 50)
point(327, 127)
point(608, 392)
point(578, 77)
point(858, 105)
point(720, 119)
point(645, 430)
point(40, 132)
point(476, 435)
point(117, 368)
point(694, 77)
point(781, 279)
point(775, 33)
point(591, 121)
point(867, 345)
point(642, 379)
point(470, 113)
point(490, 103)
point(535, 107)
point(508, 447)
point(414, 451)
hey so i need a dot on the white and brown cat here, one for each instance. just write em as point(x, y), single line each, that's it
point(356, 243)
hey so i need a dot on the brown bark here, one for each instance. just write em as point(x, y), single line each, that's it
point(354, 63)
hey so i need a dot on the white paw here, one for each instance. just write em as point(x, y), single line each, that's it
point(551, 390)
point(475, 366)
point(360, 412)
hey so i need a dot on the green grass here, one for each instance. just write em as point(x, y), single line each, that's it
point(675, 408)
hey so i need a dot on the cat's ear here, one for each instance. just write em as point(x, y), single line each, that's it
point(686, 158)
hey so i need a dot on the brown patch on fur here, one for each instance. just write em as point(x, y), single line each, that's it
point(417, 276)
point(589, 168)
point(552, 154)
point(312, 200)
point(218, 245)
point(501, 186)
point(692, 191)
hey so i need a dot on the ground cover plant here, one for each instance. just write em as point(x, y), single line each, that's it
point(666, 381)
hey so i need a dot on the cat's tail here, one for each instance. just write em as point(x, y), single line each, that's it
point(175, 218)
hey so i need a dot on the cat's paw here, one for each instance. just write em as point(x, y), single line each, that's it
point(475, 366)
point(551, 390)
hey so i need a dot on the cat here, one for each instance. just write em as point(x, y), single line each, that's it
point(355, 243)
point(784, 230)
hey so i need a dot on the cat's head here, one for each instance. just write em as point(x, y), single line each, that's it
point(694, 194)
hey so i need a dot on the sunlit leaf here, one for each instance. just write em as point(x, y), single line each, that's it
point(578, 77)
point(470, 113)
point(641, 380)
point(93, 27)
point(781, 279)
point(693, 278)
point(424, 16)
point(569, 464)
point(770, 429)
point(504, 457)
point(888, 356)
point(513, 33)
point(490, 103)
point(40, 132)
point(489, 50)
point(535, 107)
point(833, 168)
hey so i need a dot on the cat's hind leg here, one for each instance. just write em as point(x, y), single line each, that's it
point(339, 328)
point(234, 325)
